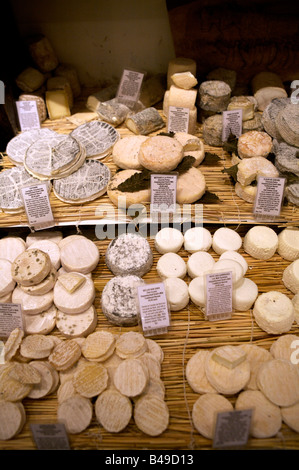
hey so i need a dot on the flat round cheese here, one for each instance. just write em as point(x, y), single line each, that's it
point(76, 413)
point(11, 247)
point(160, 153)
point(278, 379)
point(177, 293)
point(235, 255)
point(31, 267)
point(12, 419)
point(260, 242)
point(125, 152)
point(274, 312)
point(249, 169)
point(97, 137)
point(7, 283)
point(290, 277)
point(49, 247)
point(290, 416)
point(86, 184)
point(171, 265)
point(288, 243)
point(44, 286)
point(199, 263)
point(254, 144)
point(191, 186)
point(168, 239)
point(225, 239)
point(197, 239)
point(134, 193)
point(17, 147)
point(113, 410)
point(205, 410)
point(196, 374)
point(79, 255)
point(225, 265)
point(76, 302)
point(51, 235)
point(151, 415)
point(41, 323)
point(197, 291)
point(129, 253)
point(119, 300)
point(255, 355)
point(79, 325)
point(32, 304)
point(244, 295)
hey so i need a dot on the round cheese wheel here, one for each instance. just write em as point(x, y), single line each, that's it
point(171, 265)
point(290, 277)
point(160, 153)
point(274, 312)
point(225, 265)
point(197, 239)
point(7, 283)
point(260, 242)
point(200, 263)
point(191, 186)
point(32, 304)
point(80, 255)
point(205, 410)
point(127, 197)
point(244, 295)
point(168, 239)
point(125, 152)
point(288, 243)
point(76, 302)
point(225, 239)
point(231, 254)
point(177, 293)
point(197, 291)
point(254, 144)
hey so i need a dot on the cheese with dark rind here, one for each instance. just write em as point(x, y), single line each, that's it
point(144, 122)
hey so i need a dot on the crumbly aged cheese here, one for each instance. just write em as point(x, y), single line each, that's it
point(184, 80)
point(179, 65)
point(52, 235)
point(125, 152)
point(191, 186)
point(183, 98)
point(290, 277)
point(145, 121)
point(41, 323)
point(260, 242)
point(279, 381)
point(57, 103)
point(76, 413)
point(151, 415)
point(97, 137)
point(255, 355)
point(61, 83)
point(7, 283)
point(267, 86)
point(11, 182)
point(205, 410)
point(43, 54)
point(266, 419)
point(244, 295)
point(212, 130)
point(196, 374)
point(70, 189)
point(270, 113)
point(287, 124)
point(177, 293)
point(31, 267)
point(243, 103)
point(235, 255)
point(199, 263)
point(127, 198)
point(76, 302)
point(197, 291)
point(249, 169)
point(79, 255)
point(223, 379)
point(30, 80)
point(214, 95)
point(160, 153)
point(119, 300)
point(254, 144)
point(229, 356)
point(197, 239)
point(43, 287)
point(113, 410)
point(12, 419)
point(171, 265)
point(129, 253)
point(226, 75)
point(254, 124)
point(225, 239)
point(286, 160)
point(70, 73)
point(274, 312)
point(288, 243)
point(168, 239)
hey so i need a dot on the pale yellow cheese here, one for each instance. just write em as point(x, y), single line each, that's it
point(57, 104)
point(71, 281)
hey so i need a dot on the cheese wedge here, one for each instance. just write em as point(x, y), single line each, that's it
point(229, 356)
point(71, 281)
point(57, 104)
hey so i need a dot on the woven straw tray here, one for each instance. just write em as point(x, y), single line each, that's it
point(188, 332)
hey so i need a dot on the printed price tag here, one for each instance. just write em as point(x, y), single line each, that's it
point(50, 436)
point(163, 192)
point(269, 197)
point(28, 115)
point(153, 306)
point(232, 428)
point(129, 88)
point(231, 123)
point(37, 206)
point(178, 119)
point(10, 318)
point(219, 292)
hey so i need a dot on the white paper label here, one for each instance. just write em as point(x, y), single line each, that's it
point(219, 292)
point(154, 314)
point(28, 115)
point(232, 428)
point(163, 192)
point(37, 206)
point(52, 436)
point(178, 119)
point(129, 87)
point(269, 196)
point(231, 123)
point(10, 318)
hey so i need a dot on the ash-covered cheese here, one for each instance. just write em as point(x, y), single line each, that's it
point(214, 95)
point(129, 253)
point(270, 113)
point(119, 300)
point(286, 160)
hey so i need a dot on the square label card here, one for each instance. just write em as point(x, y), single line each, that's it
point(153, 308)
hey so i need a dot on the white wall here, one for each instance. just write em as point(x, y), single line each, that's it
point(101, 37)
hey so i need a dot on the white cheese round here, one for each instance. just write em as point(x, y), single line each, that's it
point(200, 263)
point(225, 265)
point(231, 254)
point(177, 293)
point(171, 265)
point(197, 239)
point(244, 295)
point(288, 243)
point(49, 247)
point(125, 152)
point(52, 235)
point(79, 255)
point(225, 239)
point(274, 312)
point(168, 239)
point(79, 325)
point(32, 304)
point(290, 277)
point(260, 242)
point(7, 283)
point(76, 302)
point(41, 323)
point(197, 291)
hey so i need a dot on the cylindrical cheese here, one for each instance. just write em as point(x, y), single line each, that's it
point(290, 277)
point(182, 98)
point(260, 242)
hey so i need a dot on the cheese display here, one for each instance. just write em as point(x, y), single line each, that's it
point(129, 253)
point(267, 86)
point(97, 137)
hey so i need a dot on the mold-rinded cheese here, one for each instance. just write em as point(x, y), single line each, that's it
point(125, 152)
point(254, 124)
point(119, 300)
point(171, 265)
point(205, 410)
point(44, 286)
point(278, 380)
point(49, 247)
point(97, 137)
point(287, 124)
point(151, 415)
point(225, 75)
point(244, 295)
point(178, 65)
point(288, 243)
point(32, 304)
point(286, 160)
point(214, 95)
point(225, 239)
point(17, 147)
point(290, 277)
point(79, 325)
point(43, 54)
point(113, 410)
point(31, 267)
point(112, 112)
point(212, 130)
point(126, 198)
point(61, 83)
point(30, 80)
point(105, 94)
point(145, 121)
point(243, 103)
point(129, 253)
point(80, 255)
point(12, 419)
point(168, 239)
point(11, 247)
point(254, 144)
point(57, 104)
point(270, 113)
point(76, 412)
point(70, 73)
point(74, 302)
point(196, 374)
point(266, 86)
point(184, 80)
point(40, 323)
point(52, 235)
point(160, 153)
point(177, 293)
point(274, 312)
point(183, 98)
point(260, 242)
point(250, 168)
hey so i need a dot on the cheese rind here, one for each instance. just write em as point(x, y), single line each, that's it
point(229, 356)
point(160, 153)
point(205, 410)
point(274, 312)
point(260, 242)
point(288, 243)
point(290, 277)
point(254, 144)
